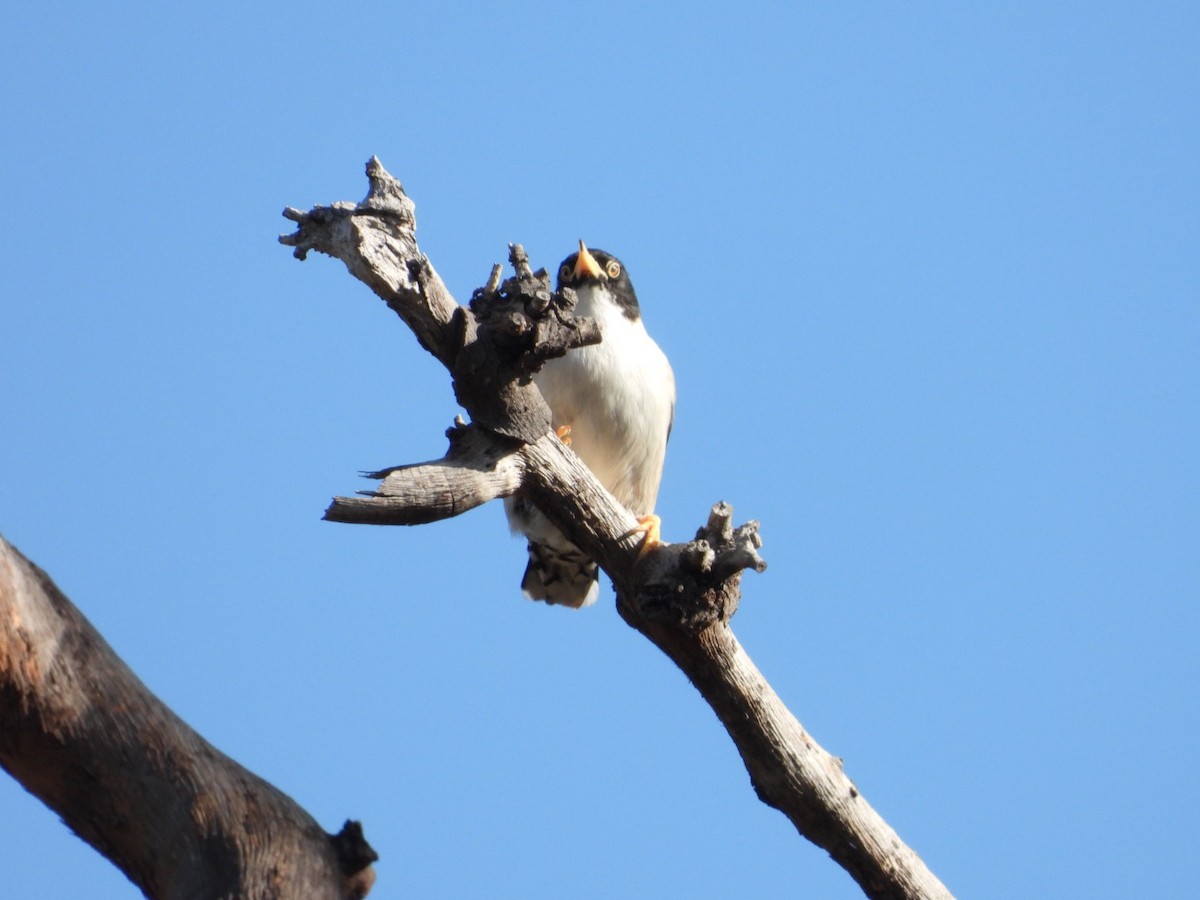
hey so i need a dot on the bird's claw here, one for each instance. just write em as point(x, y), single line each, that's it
point(564, 434)
point(650, 527)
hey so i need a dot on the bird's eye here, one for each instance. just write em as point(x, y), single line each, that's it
point(613, 269)
point(565, 273)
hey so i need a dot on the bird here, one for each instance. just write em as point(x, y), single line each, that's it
point(614, 404)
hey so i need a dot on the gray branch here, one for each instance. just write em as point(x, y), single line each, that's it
point(479, 467)
point(680, 596)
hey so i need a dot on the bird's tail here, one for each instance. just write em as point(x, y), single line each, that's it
point(561, 576)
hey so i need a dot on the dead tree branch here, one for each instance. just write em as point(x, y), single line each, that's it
point(681, 596)
point(181, 819)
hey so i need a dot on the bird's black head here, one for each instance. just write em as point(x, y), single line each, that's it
point(597, 268)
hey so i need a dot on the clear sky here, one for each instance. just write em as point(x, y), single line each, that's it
point(928, 275)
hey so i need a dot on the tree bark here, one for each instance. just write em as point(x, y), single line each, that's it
point(680, 596)
point(181, 819)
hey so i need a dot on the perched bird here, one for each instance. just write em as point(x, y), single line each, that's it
point(613, 402)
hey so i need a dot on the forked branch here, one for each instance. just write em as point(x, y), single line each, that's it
point(679, 596)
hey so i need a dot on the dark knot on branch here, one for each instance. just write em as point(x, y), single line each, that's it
point(694, 585)
point(354, 856)
point(526, 320)
point(507, 332)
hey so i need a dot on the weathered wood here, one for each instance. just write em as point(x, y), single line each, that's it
point(181, 819)
point(377, 241)
point(480, 466)
point(680, 596)
point(790, 770)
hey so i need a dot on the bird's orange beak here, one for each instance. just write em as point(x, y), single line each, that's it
point(586, 265)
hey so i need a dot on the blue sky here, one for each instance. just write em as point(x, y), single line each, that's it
point(928, 277)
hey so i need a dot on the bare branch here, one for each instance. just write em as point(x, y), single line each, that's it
point(680, 596)
point(490, 348)
point(181, 819)
point(479, 467)
point(792, 772)
point(377, 241)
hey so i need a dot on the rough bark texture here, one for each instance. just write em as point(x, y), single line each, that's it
point(181, 819)
point(680, 596)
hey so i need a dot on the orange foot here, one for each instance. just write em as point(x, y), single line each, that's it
point(651, 529)
point(564, 434)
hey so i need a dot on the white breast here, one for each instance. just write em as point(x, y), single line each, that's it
point(618, 397)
